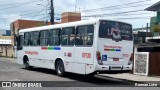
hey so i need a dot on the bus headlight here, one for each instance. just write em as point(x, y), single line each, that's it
point(131, 59)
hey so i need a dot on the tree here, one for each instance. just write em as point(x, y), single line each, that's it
point(156, 28)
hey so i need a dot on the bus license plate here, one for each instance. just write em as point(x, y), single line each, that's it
point(115, 59)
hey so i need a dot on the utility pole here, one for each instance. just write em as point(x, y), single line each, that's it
point(147, 30)
point(52, 13)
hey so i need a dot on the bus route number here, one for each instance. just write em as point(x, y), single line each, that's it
point(86, 55)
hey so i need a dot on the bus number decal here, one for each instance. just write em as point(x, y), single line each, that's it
point(68, 54)
point(86, 55)
point(31, 52)
point(125, 55)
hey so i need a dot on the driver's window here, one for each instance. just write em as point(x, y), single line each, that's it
point(20, 42)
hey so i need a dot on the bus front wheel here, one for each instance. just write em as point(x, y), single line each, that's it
point(27, 65)
point(60, 68)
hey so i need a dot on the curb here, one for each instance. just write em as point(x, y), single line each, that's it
point(133, 81)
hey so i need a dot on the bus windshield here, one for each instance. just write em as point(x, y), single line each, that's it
point(115, 30)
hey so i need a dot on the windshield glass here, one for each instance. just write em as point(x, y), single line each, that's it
point(115, 30)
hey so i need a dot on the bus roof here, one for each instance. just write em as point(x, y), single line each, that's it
point(69, 24)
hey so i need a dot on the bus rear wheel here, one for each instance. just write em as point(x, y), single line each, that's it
point(60, 68)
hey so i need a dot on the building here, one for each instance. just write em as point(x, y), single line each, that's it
point(140, 35)
point(70, 17)
point(8, 33)
point(6, 50)
point(4, 32)
point(155, 8)
point(155, 21)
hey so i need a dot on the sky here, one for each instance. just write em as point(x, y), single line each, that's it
point(130, 11)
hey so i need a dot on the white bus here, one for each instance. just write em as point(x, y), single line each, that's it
point(82, 47)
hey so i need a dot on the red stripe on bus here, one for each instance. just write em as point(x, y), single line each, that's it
point(107, 49)
point(44, 48)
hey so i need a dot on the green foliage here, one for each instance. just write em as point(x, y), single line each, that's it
point(156, 28)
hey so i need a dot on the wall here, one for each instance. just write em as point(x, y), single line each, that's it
point(154, 59)
point(8, 49)
point(70, 17)
point(5, 37)
point(154, 63)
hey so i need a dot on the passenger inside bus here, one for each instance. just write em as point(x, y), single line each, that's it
point(78, 41)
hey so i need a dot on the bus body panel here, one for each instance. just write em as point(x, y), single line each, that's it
point(83, 57)
point(68, 57)
point(20, 55)
point(122, 54)
point(115, 46)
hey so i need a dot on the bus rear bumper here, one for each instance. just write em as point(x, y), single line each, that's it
point(113, 72)
point(113, 69)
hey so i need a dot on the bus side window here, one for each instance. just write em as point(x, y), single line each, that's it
point(54, 37)
point(26, 39)
point(44, 38)
point(84, 35)
point(34, 38)
point(67, 36)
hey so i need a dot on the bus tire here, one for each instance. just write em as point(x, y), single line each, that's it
point(60, 68)
point(91, 75)
point(27, 65)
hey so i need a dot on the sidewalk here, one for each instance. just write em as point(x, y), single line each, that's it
point(8, 59)
point(133, 77)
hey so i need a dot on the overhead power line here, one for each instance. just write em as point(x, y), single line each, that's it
point(33, 12)
point(131, 14)
point(38, 13)
point(147, 17)
point(20, 11)
point(16, 3)
point(44, 17)
point(113, 13)
point(19, 5)
point(114, 6)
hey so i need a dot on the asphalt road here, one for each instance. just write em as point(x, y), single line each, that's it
point(11, 71)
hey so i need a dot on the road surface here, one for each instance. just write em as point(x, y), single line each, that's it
point(11, 71)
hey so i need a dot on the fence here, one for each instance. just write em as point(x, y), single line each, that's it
point(147, 63)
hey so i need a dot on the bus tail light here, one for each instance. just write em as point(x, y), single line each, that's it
point(99, 58)
point(131, 59)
